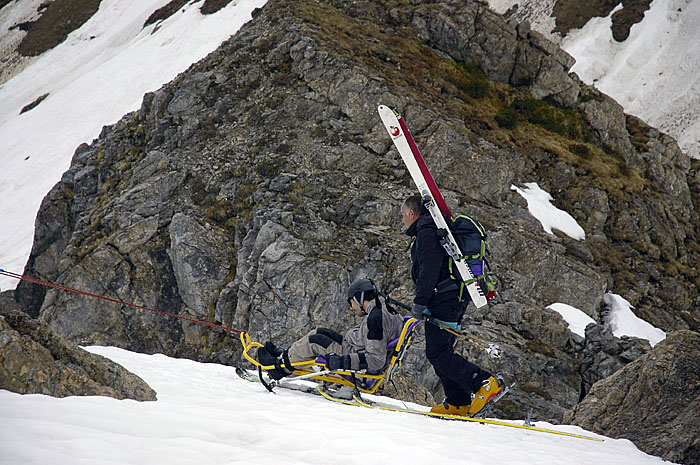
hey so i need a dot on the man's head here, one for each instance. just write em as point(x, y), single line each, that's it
point(412, 209)
point(360, 293)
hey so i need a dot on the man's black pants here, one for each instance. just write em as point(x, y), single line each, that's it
point(459, 377)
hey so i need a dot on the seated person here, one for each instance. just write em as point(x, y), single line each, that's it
point(360, 348)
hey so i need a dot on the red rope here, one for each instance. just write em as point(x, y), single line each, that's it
point(109, 299)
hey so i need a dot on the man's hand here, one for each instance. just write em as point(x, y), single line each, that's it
point(418, 311)
point(338, 362)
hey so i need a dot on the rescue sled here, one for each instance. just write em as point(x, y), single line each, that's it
point(316, 369)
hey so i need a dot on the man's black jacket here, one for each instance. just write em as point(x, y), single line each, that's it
point(430, 264)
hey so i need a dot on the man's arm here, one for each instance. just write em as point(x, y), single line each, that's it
point(429, 255)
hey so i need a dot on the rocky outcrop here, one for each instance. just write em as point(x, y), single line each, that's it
point(34, 360)
point(653, 401)
point(254, 187)
point(603, 354)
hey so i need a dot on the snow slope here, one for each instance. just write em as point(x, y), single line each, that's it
point(205, 414)
point(100, 73)
point(653, 74)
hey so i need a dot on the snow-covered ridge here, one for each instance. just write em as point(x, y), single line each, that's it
point(653, 74)
point(111, 60)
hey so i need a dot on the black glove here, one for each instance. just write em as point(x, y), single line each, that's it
point(417, 311)
point(338, 362)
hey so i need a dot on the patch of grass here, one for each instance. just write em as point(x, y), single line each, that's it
point(639, 133)
point(582, 150)
point(165, 12)
point(212, 6)
point(222, 213)
point(60, 19)
point(564, 122)
point(468, 78)
point(507, 118)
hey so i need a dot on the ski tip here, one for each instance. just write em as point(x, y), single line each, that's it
point(387, 109)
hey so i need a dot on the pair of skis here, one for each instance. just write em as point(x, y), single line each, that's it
point(358, 401)
point(435, 202)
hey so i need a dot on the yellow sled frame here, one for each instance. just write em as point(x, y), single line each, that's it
point(362, 381)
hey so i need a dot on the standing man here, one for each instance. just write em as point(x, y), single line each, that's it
point(468, 388)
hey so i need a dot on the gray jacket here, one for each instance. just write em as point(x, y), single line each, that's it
point(366, 343)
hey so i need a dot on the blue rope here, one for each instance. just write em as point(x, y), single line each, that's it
point(451, 324)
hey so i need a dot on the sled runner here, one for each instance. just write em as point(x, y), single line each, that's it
point(316, 369)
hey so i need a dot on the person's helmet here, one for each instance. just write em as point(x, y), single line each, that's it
point(361, 290)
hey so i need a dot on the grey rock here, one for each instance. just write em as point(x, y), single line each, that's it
point(34, 360)
point(603, 354)
point(201, 261)
point(651, 401)
point(607, 118)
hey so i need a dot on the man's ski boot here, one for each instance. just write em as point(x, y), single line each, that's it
point(489, 389)
point(266, 359)
point(449, 409)
point(273, 349)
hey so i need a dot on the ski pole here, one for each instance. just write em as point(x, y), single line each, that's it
point(492, 349)
point(396, 302)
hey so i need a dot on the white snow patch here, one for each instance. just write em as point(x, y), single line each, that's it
point(575, 318)
point(206, 414)
point(540, 206)
point(624, 322)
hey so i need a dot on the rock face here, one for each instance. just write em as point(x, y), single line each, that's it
point(257, 185)
point(603, 354)
point(653, 401)
point(34, 360)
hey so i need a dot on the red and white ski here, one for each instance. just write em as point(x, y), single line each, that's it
point(396, 127)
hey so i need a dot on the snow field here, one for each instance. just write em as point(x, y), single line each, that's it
point(206, 414)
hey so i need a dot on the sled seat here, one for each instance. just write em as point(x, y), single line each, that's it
point(364, 381)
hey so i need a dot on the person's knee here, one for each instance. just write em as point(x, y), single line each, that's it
point(334, 335)
point(321, 340)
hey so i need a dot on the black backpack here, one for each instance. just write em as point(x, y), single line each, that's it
point(471, 238)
